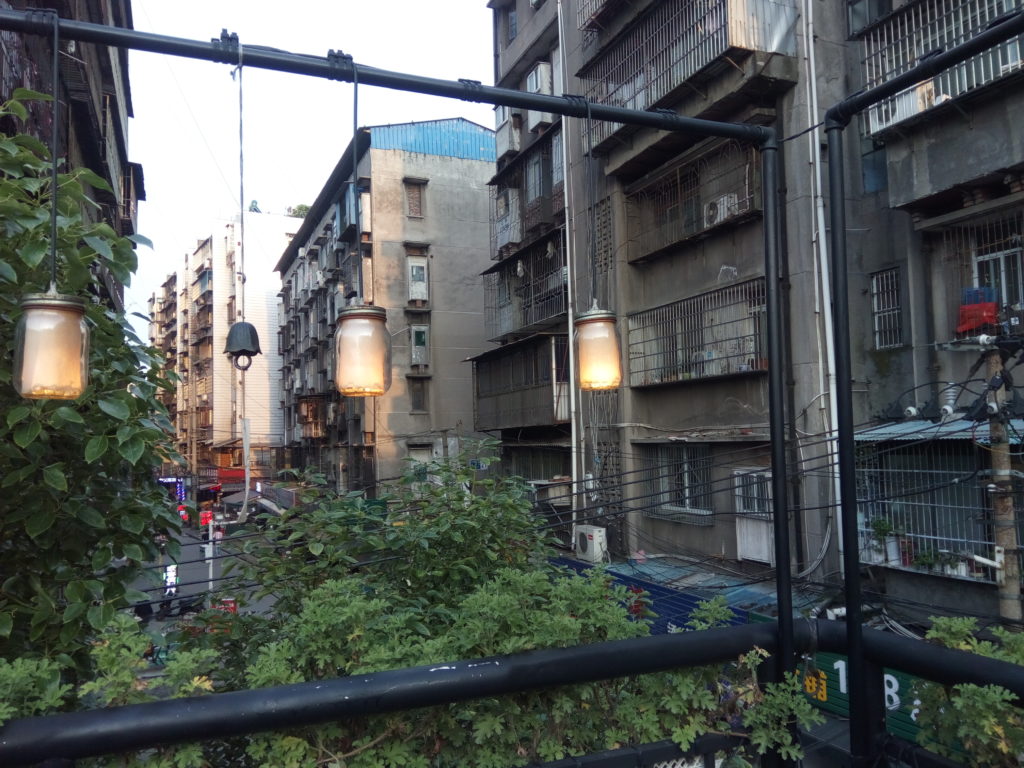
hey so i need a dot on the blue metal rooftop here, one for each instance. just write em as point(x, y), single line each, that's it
point(960, 429)
point(452, 137)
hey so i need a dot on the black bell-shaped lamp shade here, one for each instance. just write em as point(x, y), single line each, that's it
point(242, 345)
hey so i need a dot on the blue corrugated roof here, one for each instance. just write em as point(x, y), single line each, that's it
point(454, 137)
point(961, 429)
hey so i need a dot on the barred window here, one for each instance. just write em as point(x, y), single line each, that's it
point(887, 316)
point(753, 492)
point(678, 483)
point(718, 333)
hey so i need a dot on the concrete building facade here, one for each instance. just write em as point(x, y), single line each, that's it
point(666, 231)
point(190, 317)
point(416, 250)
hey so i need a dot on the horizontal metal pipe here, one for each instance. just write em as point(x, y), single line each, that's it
point(227, 50)
point(839, 115)
point(121, 729)
point(926, 660)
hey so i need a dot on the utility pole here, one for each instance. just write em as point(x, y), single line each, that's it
point(1004, 521)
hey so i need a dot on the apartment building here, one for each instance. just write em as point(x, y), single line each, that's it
point(190, 317)
point(410, 237)
point(95, 104)
point(666, 231)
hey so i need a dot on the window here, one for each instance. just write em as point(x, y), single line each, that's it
point(753, 492)
point(414, 189)
point(511, 24)
point(417, 271)
point(557, 169)
point(419, 349)
point(418, 402)
point(885, 308)
point(718, 333)
point(1000, 271)
point(534, 177)
point(863, 12)
point(678, 483)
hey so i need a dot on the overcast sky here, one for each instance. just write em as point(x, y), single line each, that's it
point(185, 129)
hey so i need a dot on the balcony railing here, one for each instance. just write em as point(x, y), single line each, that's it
point(675, 42)
point(692, 197)
point(525, 293)
point(899, 43)
point(523, 385)
point(718, 333)
point(928, 520)
point(506, 221)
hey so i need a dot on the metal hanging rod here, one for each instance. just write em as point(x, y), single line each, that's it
point(338, 66)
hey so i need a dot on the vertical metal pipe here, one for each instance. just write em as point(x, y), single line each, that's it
point(776, 399)
point(861, 725)
point(54, 148)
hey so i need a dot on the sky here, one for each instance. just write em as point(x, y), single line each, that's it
point(185, 130)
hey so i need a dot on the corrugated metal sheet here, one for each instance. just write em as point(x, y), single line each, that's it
point(961, 429)
point(454, 137)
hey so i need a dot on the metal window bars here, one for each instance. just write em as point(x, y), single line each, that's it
point(917, 30)
point(886, 312)
point(718, 333)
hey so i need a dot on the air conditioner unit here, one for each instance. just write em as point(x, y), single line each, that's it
point(590, 543)
point(720, 208)
point(320, 278)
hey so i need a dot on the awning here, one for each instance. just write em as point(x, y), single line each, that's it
point(236, 499)
point(960, 429)
point(226, 443)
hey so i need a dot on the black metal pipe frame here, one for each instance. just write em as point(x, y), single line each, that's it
point(122, 729)
point(338, 67)
point(867, 713)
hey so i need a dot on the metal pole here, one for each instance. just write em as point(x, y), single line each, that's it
point(1004, 522)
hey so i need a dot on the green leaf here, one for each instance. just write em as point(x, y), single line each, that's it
point(95, 616)
point(92, 517)
point(18, 110)
point(73, 611)
point(26, 433)
point(91, 178)
point(133, 523)
point(101, 556)
point(141, 240)
point(133, 552)
point(135, 596)
point(39, 522)
point(27, 94)
point(95, 448)
point(53, 476)
point(7, 272)
point(102, 247)
point(16, 414)
point(6, 624)
point(114, 408)
point(32, 253)
point(69, 414)
point(132, 450)
point(316, 548)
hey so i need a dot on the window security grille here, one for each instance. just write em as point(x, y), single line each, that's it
point(714, 334)
point(678, 483)
point(886, 314)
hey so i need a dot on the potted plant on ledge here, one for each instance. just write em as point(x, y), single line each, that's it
point(886, 543)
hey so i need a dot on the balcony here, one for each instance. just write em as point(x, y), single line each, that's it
point(719, 333)
point(524, 384)
point(899, 42)
point(678, 41)
point(692, 197)
point(508, 137)
point(525, 294)
point(591, 14)
point(922, 505)
point(507, 222)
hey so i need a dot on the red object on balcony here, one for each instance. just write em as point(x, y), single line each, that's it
point(974, 316)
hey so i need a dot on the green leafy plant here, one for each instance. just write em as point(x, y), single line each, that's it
point(981, 725)
point(82, 508)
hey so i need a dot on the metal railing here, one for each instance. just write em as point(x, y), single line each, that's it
point(718, 333)
point(918, 29)
point(675, 42)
